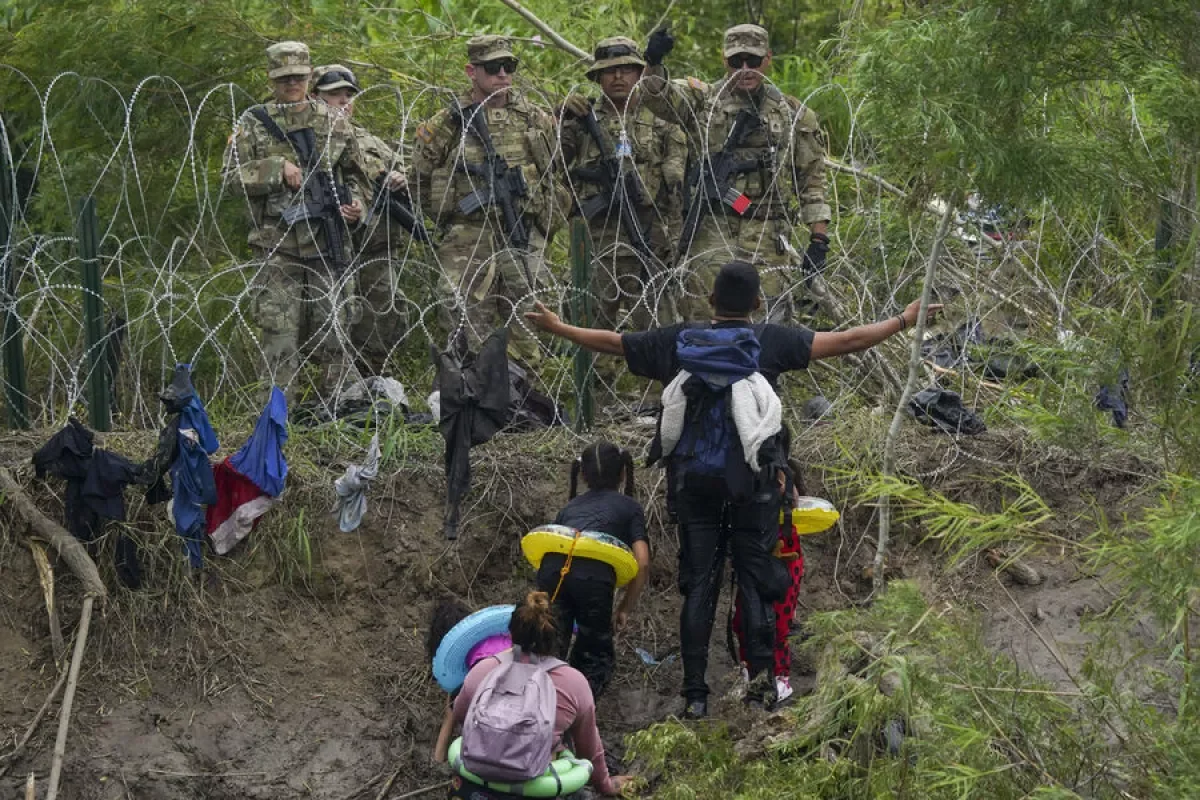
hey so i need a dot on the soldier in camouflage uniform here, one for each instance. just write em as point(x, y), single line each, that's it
point(786, 185)
point(383, 318)
point(301, 303)
point(656, 152)
point(488, 282)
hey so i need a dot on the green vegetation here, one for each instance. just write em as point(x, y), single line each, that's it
point(1080, 118)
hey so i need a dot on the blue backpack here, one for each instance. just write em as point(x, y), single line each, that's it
point(717, 358)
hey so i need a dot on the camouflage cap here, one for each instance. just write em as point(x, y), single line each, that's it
point(614, 52)
point(488, 47)
point(751, 39)
point(328, 77)
point(288, 58)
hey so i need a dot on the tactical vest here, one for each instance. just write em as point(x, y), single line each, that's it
point(646, 144)
point(520, 139)
point(770, 143)
point(270, 232)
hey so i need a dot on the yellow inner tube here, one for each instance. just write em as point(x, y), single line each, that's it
point(811, 515)
point(587, 544)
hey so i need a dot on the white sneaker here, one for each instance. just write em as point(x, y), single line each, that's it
point(783, 688)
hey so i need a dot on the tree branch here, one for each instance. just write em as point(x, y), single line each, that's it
point(68, 547)
point(914, 370)
point(554, 36)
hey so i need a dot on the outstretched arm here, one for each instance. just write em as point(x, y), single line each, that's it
point(864, 337)
point(594, 339)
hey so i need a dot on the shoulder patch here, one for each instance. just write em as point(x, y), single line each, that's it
point(424, 133)
point(696, 83)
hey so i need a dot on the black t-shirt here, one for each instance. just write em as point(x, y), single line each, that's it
point(603, 510)
point(651, 354)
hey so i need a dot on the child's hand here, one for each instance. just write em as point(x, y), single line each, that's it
point(620, 620)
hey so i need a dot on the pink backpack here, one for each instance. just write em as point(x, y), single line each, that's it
point(508, 734)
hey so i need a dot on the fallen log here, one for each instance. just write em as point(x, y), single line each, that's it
point(68, 547)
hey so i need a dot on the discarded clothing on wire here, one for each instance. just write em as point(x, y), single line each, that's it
point(192, 479)
point(249, 482)
point(475, 403)
point(96, 481)
point(968, 346)
point(944, 411)
point(351, 489)
point(1114, 398)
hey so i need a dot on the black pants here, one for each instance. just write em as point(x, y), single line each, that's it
point(710, 525)
point(586, 602)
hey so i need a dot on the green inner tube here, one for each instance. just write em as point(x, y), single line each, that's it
point(566, 774)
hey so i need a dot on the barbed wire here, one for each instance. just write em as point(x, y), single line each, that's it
point(180, 284)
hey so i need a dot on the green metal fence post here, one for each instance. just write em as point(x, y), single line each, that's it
point(581, 311)
point(88, 233)
point(15, 393)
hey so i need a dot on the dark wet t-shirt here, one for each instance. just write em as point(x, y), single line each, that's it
point(603, 510)
point(651, 354)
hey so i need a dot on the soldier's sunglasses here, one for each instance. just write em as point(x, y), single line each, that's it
point(291, 79)
point(335, 76)
point(509, 65)
point(739, 60)
point(614, 51)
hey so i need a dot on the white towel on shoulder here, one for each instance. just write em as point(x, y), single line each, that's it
point(757, 413)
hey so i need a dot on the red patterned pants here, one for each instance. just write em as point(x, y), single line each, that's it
point(789, 543)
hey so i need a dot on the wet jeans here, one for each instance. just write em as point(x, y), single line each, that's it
point(711, 525)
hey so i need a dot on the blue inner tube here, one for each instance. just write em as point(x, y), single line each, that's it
point(450, 661)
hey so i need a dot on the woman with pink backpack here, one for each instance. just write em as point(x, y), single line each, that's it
point(522, 707)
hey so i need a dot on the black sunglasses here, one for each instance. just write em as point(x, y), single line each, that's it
point(335, 76)
point(739, 60)
point(615, 51)
point(509, 65)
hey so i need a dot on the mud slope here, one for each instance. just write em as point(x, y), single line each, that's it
point(297, 668)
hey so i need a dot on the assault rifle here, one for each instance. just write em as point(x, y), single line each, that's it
point(399, 207)
point(616, 185)
point(502, 184)
point(323, 197)
point(711, 179)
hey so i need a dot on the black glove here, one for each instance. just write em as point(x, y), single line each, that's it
point(814, 256)
point(660, 45)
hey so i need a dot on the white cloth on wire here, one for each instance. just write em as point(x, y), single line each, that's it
point(351, 489)
point(754, 405)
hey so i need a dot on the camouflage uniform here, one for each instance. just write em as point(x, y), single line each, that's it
point(789, 183)
point(301, 301)
point(486, 282)
point(383, 320)
point(657, 151)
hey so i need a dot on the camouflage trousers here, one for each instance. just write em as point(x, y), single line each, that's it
point(384, 319)
point(303, 310)
point(721, 240)
point(486, 284)
point(621, 280)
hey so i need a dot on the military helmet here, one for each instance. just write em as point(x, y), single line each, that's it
point(614, 52)
point(489, 47)
point(752, 39)
point(328, 77)
point(288, 58)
